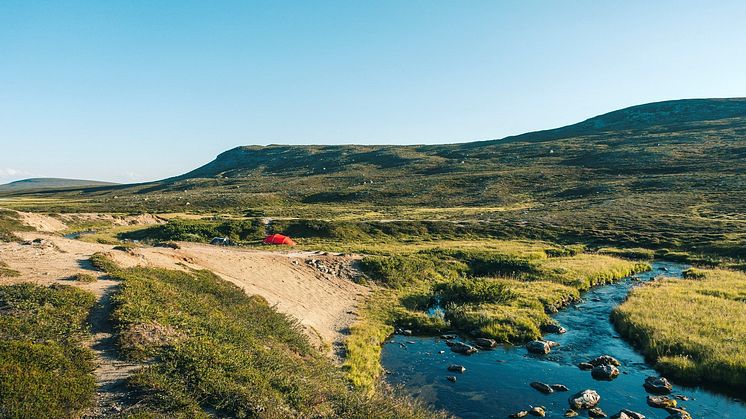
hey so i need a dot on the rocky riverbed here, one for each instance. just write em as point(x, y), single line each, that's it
point(497, 382)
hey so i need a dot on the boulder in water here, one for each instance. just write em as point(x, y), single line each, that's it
point(559, 387)
point(554, 328)
point(521, 414)
point(661, 402)
point(605, 372)
point(605, 360)
point(628, 414)
point(456, 368)
point(596, 412)
point(463, 348)
point(538, 411)
point(544, 388)
point(485, 343)
point(451, 378)
point(657, 385)
point(585, 366)
point(677, 413)
point(538, 347)
point(585, 399)
point(569, 413)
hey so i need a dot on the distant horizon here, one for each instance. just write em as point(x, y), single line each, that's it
point(19, 179)
point(131, 92)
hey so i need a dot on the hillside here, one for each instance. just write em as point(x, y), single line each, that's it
point(660, 174)
point(36, 184)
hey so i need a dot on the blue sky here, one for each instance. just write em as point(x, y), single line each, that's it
point(141, 90)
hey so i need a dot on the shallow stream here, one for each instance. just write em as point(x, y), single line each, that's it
point(496, 382)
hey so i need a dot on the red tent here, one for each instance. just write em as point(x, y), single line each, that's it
point(279, 239)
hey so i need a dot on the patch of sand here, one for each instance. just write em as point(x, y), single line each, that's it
point(316, 289)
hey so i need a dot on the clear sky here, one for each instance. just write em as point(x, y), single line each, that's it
point(140, 90)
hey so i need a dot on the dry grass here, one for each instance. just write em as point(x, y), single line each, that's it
point(693, 328)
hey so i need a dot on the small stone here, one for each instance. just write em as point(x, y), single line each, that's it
point(451, 378)
point(463, 348)
point(485, 343)
point(538, 411)
point(406, 332)
point(554, 328)
point(585, 366)
point(585, 399)
point(661, 402)
point(538, 347)
point(682, 397)
point(677, 413)
point(559, 387)
point(628, 414)
point(605, 372)
point(521, 414)
point(596, 412)
point(605, 360)
point(657, 385)
point(544, 388)
point(569, 413)
point(456, 368)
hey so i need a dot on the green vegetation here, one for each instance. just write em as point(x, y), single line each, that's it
point(504, 292)
point(9, 223)
point(44, 368)
point(209, 346)
point(692, 329)
point(83, 278)
point(633, 254)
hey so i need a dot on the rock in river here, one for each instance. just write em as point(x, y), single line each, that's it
point(538, 411)
point(676, 413)
point(605, 372)
point(628, 414)
point(661, 402)
point(657, 385)
point(485, 343)
point(544, 388)
point(585, 399)
point(521, 414)
point(456, 368)
point(463, 348)
point(554, 328)
point(605, 360)
point(585, 366)
point(569, 413)
point(559, 387)
point(451, 378)
point(596, 412)
point(538, 347)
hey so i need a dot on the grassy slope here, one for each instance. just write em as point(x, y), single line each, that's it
point(9, 223)
point(213, 348)
point(504, 292)
point(44, 370)
point(660, 175)
point(692, 329)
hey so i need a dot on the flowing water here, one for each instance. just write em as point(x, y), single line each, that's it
point(496, 382)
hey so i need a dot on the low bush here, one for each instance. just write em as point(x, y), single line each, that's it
point(637, 253)
point(45, 370)
point(212, 347)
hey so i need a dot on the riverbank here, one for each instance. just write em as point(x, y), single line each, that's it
point(504, 293)
point(691, 329)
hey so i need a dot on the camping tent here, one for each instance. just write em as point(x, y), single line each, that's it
point(279, 239)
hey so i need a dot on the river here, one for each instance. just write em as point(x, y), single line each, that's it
point(496, 382)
